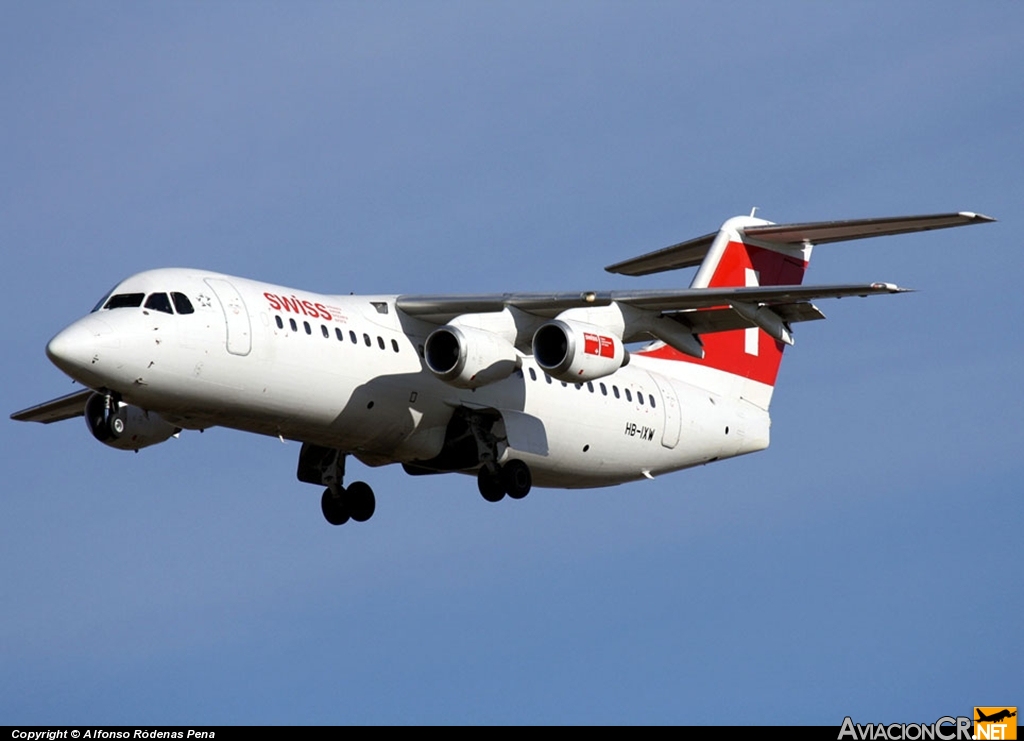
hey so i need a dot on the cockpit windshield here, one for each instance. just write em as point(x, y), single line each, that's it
point(124, 301)
point(99, 304)
point(181, 303)
point(159, 302)
point(155, 302)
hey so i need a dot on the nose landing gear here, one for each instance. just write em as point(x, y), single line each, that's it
point(104, 416)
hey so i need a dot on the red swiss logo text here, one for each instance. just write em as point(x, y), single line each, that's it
point(297, 305)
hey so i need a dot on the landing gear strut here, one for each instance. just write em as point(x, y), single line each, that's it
point(476, 439)
point(494, 480)
point(326, 466)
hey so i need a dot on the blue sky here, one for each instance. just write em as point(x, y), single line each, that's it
point(867, 564)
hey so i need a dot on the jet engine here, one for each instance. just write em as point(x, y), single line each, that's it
point(574, 351)
point(124, 426)
point(467, 357)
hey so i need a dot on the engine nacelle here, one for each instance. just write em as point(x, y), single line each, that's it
point(575, 351)
point(124, 426)
point(467, 357)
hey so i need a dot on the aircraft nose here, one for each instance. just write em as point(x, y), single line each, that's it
point(75, 348)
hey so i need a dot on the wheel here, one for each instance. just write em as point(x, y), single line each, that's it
point(334, 509)
point(117, 426)
point(360, 500)
point(489, 485)
point(516, 479)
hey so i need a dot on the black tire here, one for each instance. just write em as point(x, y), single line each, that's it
point(490, 485)
point(516, 479)
point(334, 509)
point(360, 500)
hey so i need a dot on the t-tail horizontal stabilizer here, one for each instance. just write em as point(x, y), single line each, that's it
point(692, 252)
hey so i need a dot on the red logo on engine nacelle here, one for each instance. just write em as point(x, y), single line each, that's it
point(596, 344)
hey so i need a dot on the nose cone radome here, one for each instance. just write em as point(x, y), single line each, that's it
point(77, 349)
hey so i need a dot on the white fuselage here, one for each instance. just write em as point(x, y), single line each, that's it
point(347, 372)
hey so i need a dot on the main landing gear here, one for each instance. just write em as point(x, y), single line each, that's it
point(355, 502)
point(496, 481)
point(326, 466)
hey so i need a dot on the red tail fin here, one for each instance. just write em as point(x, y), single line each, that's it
point(732, 261)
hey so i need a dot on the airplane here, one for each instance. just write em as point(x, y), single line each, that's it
point(517, 389)
point(1003, 714)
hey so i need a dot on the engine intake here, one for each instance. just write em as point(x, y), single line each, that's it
point(467, 357)
point(125, 426)
point(574, 351)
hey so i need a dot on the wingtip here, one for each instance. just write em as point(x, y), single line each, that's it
point(891, 288)
point(976, 218)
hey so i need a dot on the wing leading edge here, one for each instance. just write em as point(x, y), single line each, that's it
point(442, 309)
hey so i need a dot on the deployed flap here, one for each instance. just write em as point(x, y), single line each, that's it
point(725, 318)
point(799, 312)
point(55, 410)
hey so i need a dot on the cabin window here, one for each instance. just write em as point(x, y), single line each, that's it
point(352, 336)
point(323, 328)
point(380, 340)
point(309, 330)
point(294, 326)
point(182, 305)
point(125, 301)
point(590, 386)
point(366, 339)
point(280, 322)
point(159, 302)
point(604, 389)
point(629, 396)
point(615, 390)
point(533, 374)
point(651, 399)
point(640, 398)
point(547, 378)
point(338, 334)
point(394, 345)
